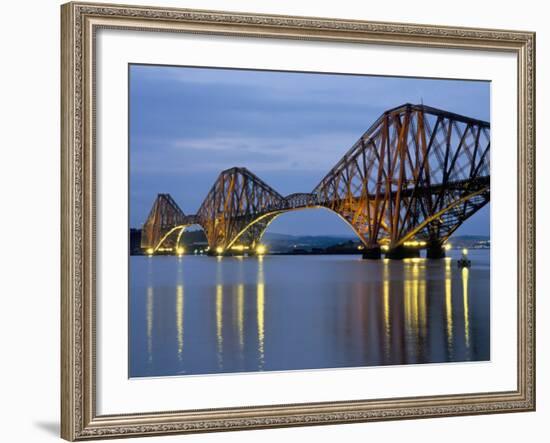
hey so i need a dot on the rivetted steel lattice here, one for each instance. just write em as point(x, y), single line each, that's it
point(163, 217)
point(237, 207)
point(416, 173)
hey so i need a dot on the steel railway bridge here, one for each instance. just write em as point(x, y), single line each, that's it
point(409, 181)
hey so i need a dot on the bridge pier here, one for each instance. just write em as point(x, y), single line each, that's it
point(435, 250)
point(401, 252)
point(373, 253)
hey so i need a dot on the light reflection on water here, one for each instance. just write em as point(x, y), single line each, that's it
point(179, 311)
point(260, 312)
point(202, 315)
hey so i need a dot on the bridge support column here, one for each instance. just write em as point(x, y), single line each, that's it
point(373, 253)
point(435, 250)
point(401, 252)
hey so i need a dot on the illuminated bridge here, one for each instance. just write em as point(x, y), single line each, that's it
point(409, 181)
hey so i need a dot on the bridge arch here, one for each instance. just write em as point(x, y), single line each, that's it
point(272, 216)
point(460, 210)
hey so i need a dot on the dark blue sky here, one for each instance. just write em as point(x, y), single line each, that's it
point(188, 124)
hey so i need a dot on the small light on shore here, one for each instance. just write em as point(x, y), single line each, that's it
point(464, 251)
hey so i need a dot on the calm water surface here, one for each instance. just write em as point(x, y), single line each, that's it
point(203, 315)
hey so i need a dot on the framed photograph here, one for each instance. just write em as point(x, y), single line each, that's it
point(281, 221)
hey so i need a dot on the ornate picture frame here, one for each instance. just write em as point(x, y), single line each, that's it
point(80, 22)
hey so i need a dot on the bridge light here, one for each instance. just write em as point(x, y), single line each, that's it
point(180, 250)
point(385, 248)
point(260, 249)
point(219, 250)
point(414, 243)
point(150, 251)
point(447, 246)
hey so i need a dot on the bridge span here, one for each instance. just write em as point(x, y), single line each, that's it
point(411, 179)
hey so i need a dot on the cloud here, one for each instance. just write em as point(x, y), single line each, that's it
point(189, 124)
point(293, 88)
point(259, 154)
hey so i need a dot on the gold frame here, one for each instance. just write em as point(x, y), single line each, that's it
point(79, 21)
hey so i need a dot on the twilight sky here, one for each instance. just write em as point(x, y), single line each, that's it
point(189, 124)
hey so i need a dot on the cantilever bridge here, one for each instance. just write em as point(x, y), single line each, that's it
point(413, 177)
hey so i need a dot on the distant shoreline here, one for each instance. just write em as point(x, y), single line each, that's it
point(355, 252)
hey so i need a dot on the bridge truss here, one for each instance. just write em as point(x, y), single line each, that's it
point(416, 174)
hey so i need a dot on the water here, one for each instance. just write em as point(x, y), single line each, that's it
point(204, 315)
